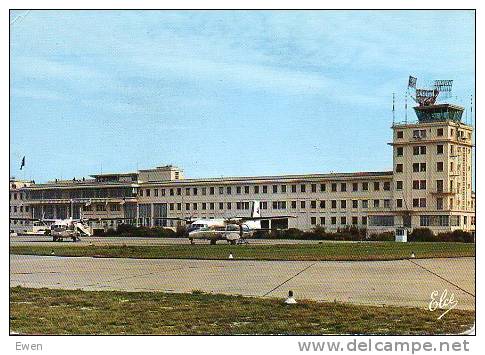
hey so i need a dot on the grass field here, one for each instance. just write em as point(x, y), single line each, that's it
point(46, 311)
point(324, 251)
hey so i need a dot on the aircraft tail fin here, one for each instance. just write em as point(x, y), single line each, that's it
point(83, 229)
point(255, 209)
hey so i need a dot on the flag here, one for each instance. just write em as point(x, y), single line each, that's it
point(412, 82)
point(22, 164)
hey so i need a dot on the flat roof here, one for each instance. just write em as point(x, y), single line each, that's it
point(298, 177)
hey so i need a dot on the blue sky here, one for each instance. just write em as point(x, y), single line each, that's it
point(222, 93)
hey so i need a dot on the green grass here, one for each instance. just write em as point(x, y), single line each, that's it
point(324, 251)
point(46, 311)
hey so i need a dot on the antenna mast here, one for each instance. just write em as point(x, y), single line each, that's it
point(393, 111)
point(471, 110)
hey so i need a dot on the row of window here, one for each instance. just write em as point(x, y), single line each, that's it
point(444, 220)
point(102, 207)
point(421, 167)
point(19, 209)
point(343, 220)
point(422, 134)
point(282, 205)
point(257, 189)
point(17, 196)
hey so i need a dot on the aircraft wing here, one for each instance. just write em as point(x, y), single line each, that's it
point(188, 220)
point(32, 219)
point(25, 219)
point(260, 218)
point(107, 218)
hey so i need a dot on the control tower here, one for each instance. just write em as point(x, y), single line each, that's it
point(433, 164)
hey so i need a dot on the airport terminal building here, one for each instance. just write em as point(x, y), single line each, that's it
point(429, 186)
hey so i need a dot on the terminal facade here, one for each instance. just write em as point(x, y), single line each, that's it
point(430, 186)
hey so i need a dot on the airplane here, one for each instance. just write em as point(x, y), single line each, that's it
point(234, 230)
point(58, 228)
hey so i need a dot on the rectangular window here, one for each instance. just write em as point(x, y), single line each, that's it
point(439, 149)
point(221, 205)
point(422, 202)
point(211, 205)
point(313, 220)
point(314, 187)
point(256, 189)
point(439, 166)
point(355, 220)
point(399, 151)
point(343, 221)
point(293, 204)
point(398, 168)
point(211, 190)
point(313, 204)
point(343, 187)
point(439, 185)
point(204, 191)
point(246, 189)
point(302, 188)
point(422, 184)
point(439, 132)
point(355, 204)
point(399, 203)
point(323, 187)
point(355, 186)
point(399, 134)
point(343, 204)
point(376, 186)
point(229, 205)
point(204, 205)
point(376, 203)
point(334, 220)
point(322, 204)
point(334, 203)
point(365, 185)
point(221, 190)
point(275, 189)
point(439, 203)
point(265, 189)
point(365, 203)
point(322, 221)
point(387, 203)
point(155, 191)
point(228, 190)
point(283, 189)
point(334, 187)
point(187, 191)
point(187, 206)
point(364, 220)
point(195, 190)
point(302, 204)
point(194, 206)
point(422, 167)
point(415, 167)
point(238, 190)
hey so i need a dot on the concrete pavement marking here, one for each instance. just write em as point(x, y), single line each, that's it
point(291, 278)
point(397, 282)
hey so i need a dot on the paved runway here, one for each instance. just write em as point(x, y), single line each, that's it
point(47, 241)
point(399, 282)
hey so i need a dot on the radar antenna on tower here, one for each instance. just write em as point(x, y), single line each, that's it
point(428, 96)
point(428, 109)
